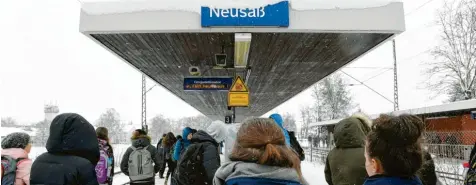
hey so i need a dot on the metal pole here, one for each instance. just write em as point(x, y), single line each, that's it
point(144, 104)
point(395, 78)
point(312, 142)
point(233, 117)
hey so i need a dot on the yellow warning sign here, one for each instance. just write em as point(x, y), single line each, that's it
point(238, 85)
point(238, 99)
point(238, 96)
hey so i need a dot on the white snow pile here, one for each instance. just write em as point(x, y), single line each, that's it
point(102, 7)
point(8, 130)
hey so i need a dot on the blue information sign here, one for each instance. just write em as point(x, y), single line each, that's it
point(210, 83)
point(275, 15)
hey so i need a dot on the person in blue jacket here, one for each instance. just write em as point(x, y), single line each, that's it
point(182, 144)
point(393, 152)
point(279, 121)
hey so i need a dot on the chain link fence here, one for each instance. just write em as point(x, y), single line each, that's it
point(448, 149)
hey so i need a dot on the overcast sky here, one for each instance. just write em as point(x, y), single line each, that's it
point(44, 58)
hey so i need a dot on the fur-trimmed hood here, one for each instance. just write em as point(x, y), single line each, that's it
point(351, 132)
point(141, 141)
point(363, 118)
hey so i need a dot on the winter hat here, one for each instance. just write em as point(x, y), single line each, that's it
point(185, 132)
point(217, 130)
point(279, 121)
point(16, 140)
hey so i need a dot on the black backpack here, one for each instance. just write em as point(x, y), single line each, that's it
point(296, 146)
point(190, 170)
point(471, 174)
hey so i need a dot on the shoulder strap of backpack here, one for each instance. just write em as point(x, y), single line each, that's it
point(13, 162)
point(198, 150)
point(473, 162)
point(20, 160)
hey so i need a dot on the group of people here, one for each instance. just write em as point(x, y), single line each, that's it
point(78, 154)
point(385, 151)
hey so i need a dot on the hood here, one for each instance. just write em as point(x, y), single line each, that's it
point(202, 136)
point(185, 132)
point(217, 130)
point(351, 132)
point(278, 119)
point(252, 170)
point(71, 134)
point(141, 141)
point(388, 180)
point(15, 153)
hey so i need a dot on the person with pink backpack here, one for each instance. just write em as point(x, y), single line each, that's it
point(105, 167)
point(16, 165)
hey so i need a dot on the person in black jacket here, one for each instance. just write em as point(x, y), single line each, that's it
point(161, 153)
point(296, 146)
point(141, 139)
point(210, 162)
point(427, 172)
point(73, 153)
point(167, 144)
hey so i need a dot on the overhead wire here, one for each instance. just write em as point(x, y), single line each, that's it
point(416, 9)
point(405, 59)
point(377, 75)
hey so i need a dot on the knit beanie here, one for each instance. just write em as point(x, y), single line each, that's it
point(16, 140)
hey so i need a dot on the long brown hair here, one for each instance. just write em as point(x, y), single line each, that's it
point(102, 133)
point(169, 140)
point(261, 141)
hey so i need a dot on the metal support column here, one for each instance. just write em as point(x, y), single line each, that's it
point(233, 117)
point(144, 104)
point(395, 78)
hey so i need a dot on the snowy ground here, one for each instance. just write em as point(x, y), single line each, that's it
point(313, 173)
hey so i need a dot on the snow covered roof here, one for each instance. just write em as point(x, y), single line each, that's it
point(449, 107)
point(99, 7)
point(161, 38)
point(125, 16)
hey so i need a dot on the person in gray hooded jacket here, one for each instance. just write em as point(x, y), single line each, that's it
point(140, 139)
point(260, 156)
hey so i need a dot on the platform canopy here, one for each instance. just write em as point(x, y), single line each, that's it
point(286, 54)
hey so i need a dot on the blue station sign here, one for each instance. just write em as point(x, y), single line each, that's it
point(209, 83)
point(275, 15)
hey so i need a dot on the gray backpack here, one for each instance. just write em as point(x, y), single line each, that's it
point(141, 167)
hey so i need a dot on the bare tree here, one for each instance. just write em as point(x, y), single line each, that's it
point(42, 132)
point(112, 121)
point(289, 122)
point(317, 102)
point(306, 117)
point(159, 125)
point(454, 69)
point(196, 122)
point(333, 99)
point(8, 122)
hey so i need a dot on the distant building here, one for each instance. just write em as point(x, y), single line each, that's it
point(51, 111)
